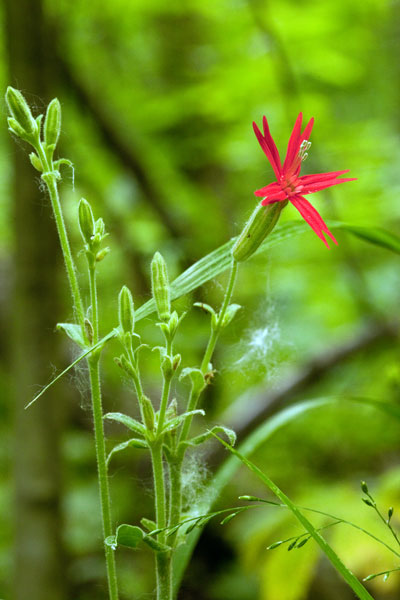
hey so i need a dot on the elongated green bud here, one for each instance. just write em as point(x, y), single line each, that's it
point(126, 311)
point(148, 413)
point(20, 110)
point(260, 224)
point(52, 123)
point(160, 287)
point(125, 365)
point(86, 220)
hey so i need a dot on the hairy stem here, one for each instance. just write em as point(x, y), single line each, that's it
point(95, 387)
point(163, 559)
point(164, 402)
point(50, 179)
point(94, 374)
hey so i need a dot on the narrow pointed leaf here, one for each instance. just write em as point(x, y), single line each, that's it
point(178, 420)
point(128, 421)
point(132, 443)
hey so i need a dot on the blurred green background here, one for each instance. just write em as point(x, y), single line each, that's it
point(158, 100)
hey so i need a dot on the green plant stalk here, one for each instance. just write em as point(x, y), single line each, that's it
point(177, 461)
point(94, 375)
point(164, 402)
point(163, 559)
point(95, 387)
point(175, 500)
point(217, 329)
point(50, 179)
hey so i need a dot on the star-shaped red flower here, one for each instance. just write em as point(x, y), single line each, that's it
point(289, 185)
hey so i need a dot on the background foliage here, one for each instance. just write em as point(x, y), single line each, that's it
point(158, 101)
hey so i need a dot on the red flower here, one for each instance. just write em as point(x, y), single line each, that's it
point(289, 185)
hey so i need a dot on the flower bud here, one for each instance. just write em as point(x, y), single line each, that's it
point(125, 365)
point(176, 361)
point(126, 311)
point(148, 413)
point(260, 224)
point(160, 287)
point(102, 254)
point(17, 130)
point(89, 330)
point(52, 123)
point(86, 220)
point(20, 110)
point(36, 162)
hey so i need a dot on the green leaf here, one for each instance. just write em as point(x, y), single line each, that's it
point(74, 332)
point(132, 443)
point(196, 377)
point(205, 307)
point(129, 422)
point(375, 235)
point(99, 344)
point(200, 439)
point(219, 260)
point(173, 423)
point(129, 536)
point(347, 575)
point(230, 314)
point(148, 524)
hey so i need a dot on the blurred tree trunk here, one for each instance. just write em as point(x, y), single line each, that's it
point(38, 549)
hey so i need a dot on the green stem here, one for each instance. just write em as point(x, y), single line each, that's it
point(164, 402)
point(50, 179)
point(217, 329)
point(176, 463)
point(94, 374)
point(95, 386)
point(175, 504)
point(163, 559)
point(93, 302)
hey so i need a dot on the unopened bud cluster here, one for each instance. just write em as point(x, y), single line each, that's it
point(25, 126)
point(93, 233)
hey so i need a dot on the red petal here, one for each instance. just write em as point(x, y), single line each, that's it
point(273, 192)
point(267, 151)
point(304, 136)
point(306, 179)
point(294, 143)
point(274, 150)
point(322, 184)
point(312, 217)
point(307, 130)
